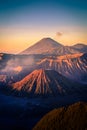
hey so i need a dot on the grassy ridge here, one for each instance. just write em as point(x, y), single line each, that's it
point(73, 117)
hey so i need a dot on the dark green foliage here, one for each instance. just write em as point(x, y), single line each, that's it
point(73, 117)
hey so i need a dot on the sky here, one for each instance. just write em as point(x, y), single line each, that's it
point(24, 22)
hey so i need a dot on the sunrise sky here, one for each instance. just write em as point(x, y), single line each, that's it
point(24, 22)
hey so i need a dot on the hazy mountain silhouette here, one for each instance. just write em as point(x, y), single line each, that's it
point(80, 47)
point(44, 46)
point(49, 46)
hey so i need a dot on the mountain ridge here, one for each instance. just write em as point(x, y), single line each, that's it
point(72, 66)
point(49, 46)
point(45, 45)
point(44, 82)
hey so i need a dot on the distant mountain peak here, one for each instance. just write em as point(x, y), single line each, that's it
point(80, 47)
point(47, 39)
point(49, 46)
point(44, 46)
point(80, 44)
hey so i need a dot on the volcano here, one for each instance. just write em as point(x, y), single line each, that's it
point(48, 46)
point(44, 82)
point(44, 46)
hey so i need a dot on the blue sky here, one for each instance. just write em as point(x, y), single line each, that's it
point(27, 21)
point(43, 9)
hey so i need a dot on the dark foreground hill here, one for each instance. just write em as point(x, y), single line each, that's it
point(73, 117)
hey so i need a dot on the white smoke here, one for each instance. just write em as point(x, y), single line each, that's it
point(17, 64)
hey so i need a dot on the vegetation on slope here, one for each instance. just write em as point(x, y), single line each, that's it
point(73, 117)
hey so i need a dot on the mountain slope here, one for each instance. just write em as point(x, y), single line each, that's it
point(44, 46)
point(44, 82)
point(73, 66)
point(80, 47)
point(48, 46)
point(73, 117)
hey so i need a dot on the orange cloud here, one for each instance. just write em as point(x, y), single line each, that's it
point(58, 34)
